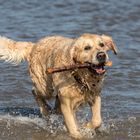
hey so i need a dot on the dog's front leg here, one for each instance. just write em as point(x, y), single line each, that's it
point(69, 116)
point(96, 114)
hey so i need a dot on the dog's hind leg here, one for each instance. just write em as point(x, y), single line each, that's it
point(57, 105)
point(44, 107)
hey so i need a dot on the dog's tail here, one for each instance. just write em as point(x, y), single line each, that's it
point(14, 52)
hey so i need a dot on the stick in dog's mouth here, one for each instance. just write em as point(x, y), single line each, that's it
point(97, 68)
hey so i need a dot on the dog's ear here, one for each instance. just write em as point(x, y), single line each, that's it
point(108, 41)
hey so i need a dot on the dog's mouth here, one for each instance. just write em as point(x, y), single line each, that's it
point(97, 69)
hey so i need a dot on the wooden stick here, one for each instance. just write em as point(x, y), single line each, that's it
point(67, 68)
point(109, 63)
point(76, 66)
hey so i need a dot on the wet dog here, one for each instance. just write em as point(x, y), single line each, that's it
point(72, 87)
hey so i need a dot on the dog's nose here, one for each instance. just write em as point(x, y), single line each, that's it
point(101, 57)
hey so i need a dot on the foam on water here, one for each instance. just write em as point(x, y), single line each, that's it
point(54, 125)
point(24, 120)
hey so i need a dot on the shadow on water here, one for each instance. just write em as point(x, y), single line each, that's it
point(16, 111)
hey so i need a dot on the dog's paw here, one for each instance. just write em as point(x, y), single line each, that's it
point(88, 125)
point(44, 113)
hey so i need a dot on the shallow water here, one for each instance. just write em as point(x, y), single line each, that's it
point(29, 21)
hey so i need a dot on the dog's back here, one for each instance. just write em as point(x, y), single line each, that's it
point(48, 52)
point(40, 55)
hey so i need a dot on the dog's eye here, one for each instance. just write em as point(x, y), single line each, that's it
point(87, 48)
point(101, 44)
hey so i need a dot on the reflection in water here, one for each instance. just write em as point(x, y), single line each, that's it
point(31, 20)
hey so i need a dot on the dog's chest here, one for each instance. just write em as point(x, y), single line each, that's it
point(89, 84)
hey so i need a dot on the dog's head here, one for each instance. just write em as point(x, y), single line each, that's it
point(92, 49)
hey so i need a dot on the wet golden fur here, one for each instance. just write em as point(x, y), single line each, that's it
point(72, 87)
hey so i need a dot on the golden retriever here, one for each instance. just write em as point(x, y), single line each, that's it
point(72, 87)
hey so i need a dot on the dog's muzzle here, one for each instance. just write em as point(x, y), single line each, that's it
point(101, 57)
